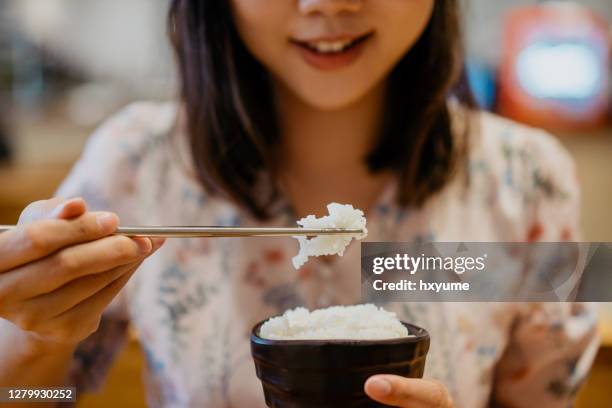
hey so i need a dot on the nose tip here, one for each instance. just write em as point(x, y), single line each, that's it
point(329, 7)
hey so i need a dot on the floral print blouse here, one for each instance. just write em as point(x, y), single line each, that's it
point(194, 302)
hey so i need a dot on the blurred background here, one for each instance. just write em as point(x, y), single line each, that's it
point(65, 65)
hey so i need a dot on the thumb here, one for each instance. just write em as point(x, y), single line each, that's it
point(54, 208)
point(408, 392)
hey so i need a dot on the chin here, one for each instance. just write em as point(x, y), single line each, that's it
point(330, 98)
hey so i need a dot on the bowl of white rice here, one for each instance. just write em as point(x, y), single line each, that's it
point(323, 358)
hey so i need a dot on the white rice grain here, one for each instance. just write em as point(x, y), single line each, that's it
point(359, 322)
point(340, 216)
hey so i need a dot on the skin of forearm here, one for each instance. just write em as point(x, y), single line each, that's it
point(26, 362)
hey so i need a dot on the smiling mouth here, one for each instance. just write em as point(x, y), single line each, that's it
point(332, 46)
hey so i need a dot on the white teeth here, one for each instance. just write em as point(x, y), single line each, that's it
point(330, 46)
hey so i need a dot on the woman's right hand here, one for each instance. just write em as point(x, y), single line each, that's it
point(61, 267)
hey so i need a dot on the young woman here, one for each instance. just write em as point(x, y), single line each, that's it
point(284, 108)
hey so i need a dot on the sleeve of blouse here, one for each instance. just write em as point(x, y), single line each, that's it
point(105, 177)
point(551, 345)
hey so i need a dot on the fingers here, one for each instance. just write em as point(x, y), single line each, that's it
point(71, 312)
point(53, 208)
point(41, 238)
point(85, 316)
point(66, 297)
point(62, 266)
point(52, 272)
point(157, 242)
point(408, 392)
point(33, 314)
point(70, 209)
point(69, 295)
point(39, 210)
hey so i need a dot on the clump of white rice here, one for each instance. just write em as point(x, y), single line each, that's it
point(360, 322)
point(340, 216)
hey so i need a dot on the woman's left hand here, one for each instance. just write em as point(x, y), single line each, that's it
point(408, 392)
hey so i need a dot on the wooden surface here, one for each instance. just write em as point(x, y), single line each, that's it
point(596, 391)
point(124, 387)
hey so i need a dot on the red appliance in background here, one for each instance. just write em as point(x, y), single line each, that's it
point(555, 67)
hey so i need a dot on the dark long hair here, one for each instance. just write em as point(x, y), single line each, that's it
point(232, 121)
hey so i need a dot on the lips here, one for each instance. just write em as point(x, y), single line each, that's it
point(327, 53)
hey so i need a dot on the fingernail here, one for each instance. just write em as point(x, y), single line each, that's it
point(157, 241)
point(107, 222)
point(144, 245)
point(379, 387)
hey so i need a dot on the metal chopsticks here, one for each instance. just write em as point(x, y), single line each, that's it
point(219, 232)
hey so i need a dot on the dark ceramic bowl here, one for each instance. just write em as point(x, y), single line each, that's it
point(332, 373)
